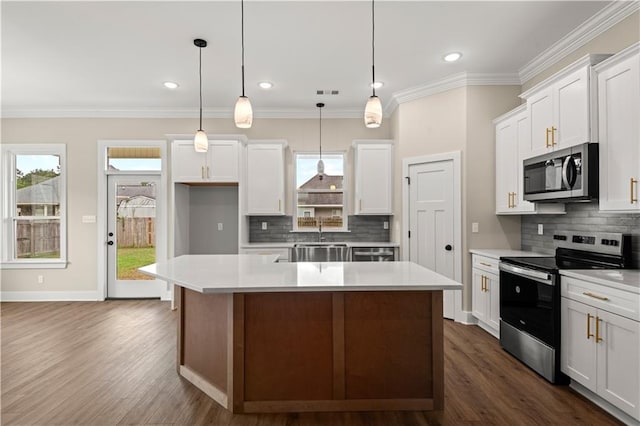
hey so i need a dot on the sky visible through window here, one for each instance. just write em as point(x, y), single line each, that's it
point(29, 163)
point(135, 163)
point(307, 166)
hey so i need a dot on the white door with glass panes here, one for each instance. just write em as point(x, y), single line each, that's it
point(133, 210)
point(431, 212)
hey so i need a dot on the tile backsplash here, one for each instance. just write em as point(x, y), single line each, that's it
point(580, 217)
point(361, 229)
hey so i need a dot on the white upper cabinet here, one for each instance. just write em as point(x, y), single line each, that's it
point(219, 164)
point(265, 178)
point(512, 137)
point(562, 109)
point(619, 130)
point(373, 164)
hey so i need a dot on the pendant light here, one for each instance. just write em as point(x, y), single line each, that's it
point(320, 168)
point(200, 141)
point(243, 114)
point(373, 110)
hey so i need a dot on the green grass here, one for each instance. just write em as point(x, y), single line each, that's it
point(130, 259)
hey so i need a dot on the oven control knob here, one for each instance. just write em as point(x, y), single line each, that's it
point(518, 289)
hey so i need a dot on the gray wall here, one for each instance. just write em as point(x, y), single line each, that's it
point(580, 217)
point(362, 229)
point(209, 206)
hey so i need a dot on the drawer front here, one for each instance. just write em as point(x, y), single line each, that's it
point(600, 296)
point(486, 263)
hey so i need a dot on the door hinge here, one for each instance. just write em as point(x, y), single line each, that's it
point(408, 180)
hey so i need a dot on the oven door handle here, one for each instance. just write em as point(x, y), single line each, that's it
point(541, 277)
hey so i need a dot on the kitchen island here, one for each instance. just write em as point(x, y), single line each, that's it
point(260, 336)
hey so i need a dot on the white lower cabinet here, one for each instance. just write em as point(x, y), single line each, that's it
point(600, 349)
point(485, 294)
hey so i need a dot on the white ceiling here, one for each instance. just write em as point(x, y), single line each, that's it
point(115, 55)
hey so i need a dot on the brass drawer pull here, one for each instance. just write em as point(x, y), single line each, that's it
point(595, 296)
point(553, 136)
point(486, 264)
point(598, 338)
point(589, 334)
point(632, 185)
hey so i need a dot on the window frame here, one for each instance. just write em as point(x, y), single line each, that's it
point(8, 155)
point(345, 190)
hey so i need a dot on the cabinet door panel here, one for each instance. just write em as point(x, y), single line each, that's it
point(223, 161)
point(571, 105)
point(522, 136)
point(479, 298)
point(374, 179)
point(265, 180)
point(541, 118)
point(618, 367)
point(506, 164)
point(578, 354)
point(493, 300)
point(187, 165)
point(619, 129)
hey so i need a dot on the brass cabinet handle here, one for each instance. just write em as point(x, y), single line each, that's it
point(598, 338)
point(279, 205)
point(202, 172)
point(595, 296)
point(589, 334)
point(632, 185)
point(553, 136)
point(485, 264)
point(514, 199)
point(547, 140)
point(208, 172)
point(481, 282)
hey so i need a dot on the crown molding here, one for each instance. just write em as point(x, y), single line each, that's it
point(65, 112)
point(587, 31)
point(455, 81)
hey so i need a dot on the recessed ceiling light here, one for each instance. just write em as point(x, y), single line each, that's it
point(452, 57)
point(377, 84)
point(265, 85)
point(170, 85)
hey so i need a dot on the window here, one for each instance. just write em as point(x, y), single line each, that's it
point(34, 209)
point(320, 198)
point(134, 158)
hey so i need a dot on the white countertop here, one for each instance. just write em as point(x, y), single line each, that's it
point(622, 279)
point(348, 243)
point(259, 273)
point(500, 253)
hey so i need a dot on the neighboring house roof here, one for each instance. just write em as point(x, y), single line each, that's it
point(139, 206)
point(128, 191)
point(45, 192)
point(321, 198)
point(325, 183)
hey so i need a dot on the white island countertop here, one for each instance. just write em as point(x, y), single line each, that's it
point(259, 273)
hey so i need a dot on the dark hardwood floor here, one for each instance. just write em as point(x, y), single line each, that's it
point(113, 362)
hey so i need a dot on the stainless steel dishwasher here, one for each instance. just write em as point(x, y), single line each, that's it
point(373, 254)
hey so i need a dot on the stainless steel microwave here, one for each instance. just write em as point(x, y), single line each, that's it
point(569, 174)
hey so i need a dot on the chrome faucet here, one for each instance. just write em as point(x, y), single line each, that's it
point(320, 237)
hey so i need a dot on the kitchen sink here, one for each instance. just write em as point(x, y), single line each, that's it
point(319, 252)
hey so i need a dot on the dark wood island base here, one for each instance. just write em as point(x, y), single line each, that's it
point(313, 351)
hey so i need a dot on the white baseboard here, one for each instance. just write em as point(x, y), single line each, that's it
point(465, 317)
point(49, 296)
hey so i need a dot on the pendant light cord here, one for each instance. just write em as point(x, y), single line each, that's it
point(320, 133)
point(373, 47)
point(200, 75)
point(242, 40)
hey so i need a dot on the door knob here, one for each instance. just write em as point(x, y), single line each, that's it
point(110, 243)
point(448, 247)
